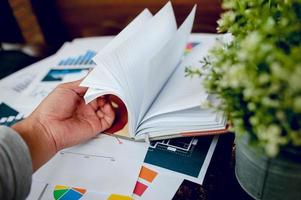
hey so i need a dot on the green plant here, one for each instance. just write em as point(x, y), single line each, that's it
point(257, 75)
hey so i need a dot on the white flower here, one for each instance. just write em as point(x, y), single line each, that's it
point(226, 20)
point(295, 80)
point(251, 106)
point(269, 25)
point(205, 104)
point(252, 41)
point(254, 120)
point(271, 149)
point(263, 78)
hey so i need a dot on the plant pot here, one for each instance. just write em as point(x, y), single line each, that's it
point(268, 178)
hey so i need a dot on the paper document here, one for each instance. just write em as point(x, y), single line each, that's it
point(106, 164)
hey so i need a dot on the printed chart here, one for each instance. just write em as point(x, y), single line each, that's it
point(146, 177)
point(87, 156)
point(96, 166)
point(60, 74)
point(67, 193)
point(8, 115)
point(85, 59)
point(189, 47)
point(48, 191)
point(183, 155)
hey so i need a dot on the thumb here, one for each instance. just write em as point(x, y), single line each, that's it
point(74, 86)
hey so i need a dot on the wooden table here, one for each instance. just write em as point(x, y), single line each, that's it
point(52, 22)
point(220, 181)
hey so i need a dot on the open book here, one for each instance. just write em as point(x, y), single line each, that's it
point(142, 69)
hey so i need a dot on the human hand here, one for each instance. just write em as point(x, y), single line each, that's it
point(68, 120)
point(62, 120)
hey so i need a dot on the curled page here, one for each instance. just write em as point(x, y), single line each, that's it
point(124, 71)
point(164, 63)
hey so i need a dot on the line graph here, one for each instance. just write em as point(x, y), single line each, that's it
point(87, 155)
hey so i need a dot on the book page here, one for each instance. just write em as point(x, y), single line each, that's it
point(134, 55)
point(182, 92)
point(188, 120)
point(177, 108)
point(136, 25)
point(103, 79)
point(128, 64)
point(164, 63)
point(111, 87)
point(110, 62)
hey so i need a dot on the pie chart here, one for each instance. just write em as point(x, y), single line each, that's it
point(189, 47)
point(62, 192)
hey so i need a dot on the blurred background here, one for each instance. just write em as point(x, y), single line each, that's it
point(33, 29)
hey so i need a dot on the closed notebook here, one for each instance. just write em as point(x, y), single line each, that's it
point(142, 69)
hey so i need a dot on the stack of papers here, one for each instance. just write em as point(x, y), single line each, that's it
point(106, 167)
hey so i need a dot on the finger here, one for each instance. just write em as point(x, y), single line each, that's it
point(104, 123)
point(109, 114)
point(101, 101)
point(100, 114)
point(74, 86)
point(70, 85)
point(94, 104)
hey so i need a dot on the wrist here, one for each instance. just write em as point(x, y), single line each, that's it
point(39, 142)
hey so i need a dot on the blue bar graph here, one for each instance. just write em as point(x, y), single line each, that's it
point(85, 59)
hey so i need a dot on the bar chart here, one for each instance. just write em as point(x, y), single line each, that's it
point(85, 59)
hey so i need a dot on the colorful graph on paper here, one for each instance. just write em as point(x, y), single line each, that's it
point(59, 74)
point(85, 59)
point(146, 177)
point(8, 115)
point(189, 47)
point(118, 197)
point(183, 155)
point(67, 193)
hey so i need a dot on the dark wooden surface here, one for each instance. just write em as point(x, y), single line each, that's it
point(220, 181)
point(48, 24)
point(107, 17)
point(61, 20)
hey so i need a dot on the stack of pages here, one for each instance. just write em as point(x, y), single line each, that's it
point(143, 69)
